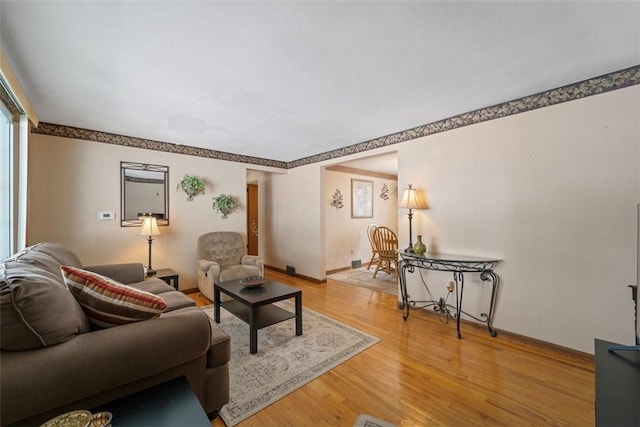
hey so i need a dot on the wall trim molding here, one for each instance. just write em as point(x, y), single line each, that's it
point(308, 278)
point(12, 95)
point(8, 100)
point(356, 171)
point(594, 86)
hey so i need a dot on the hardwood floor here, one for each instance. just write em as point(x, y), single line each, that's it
point(421, 374)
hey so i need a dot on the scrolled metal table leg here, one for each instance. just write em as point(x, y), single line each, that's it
point(402, 267)
point(490, 275)
point(458, 277)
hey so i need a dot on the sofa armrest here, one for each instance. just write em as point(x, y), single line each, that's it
point(253, 260)
point(123, 273)
point(206, 265)
point(220, 352)
point(36, 381)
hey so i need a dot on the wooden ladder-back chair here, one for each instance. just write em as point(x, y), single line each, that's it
point(374, 254)
point(386, 243)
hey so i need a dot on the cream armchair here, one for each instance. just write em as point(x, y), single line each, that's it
point(221, 257)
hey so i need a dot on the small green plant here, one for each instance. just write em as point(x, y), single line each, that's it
point(224, 204)
point(192, 185)
point(336, 202)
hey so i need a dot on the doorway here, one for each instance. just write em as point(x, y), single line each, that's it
point(252, 219)
point(346, 239)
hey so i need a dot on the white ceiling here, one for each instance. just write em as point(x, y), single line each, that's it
point(284, 80)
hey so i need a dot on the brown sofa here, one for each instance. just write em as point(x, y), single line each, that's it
point(52, 360)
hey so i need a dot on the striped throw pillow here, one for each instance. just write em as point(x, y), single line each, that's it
point(108, 303)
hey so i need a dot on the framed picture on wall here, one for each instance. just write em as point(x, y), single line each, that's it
point(361, 198)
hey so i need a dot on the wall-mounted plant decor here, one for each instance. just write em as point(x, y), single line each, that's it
point(192, 185)
point(224, 204)
point(384, 194)
point(337, 200)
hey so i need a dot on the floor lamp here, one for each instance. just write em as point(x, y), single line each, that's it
point(149, 229)
point(411, 199)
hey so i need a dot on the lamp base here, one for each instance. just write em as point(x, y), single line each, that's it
point(151, 272)
point(409, 249)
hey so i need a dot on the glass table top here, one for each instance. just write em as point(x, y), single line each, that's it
point(431, 256)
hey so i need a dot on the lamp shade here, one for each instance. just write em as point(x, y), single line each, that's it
point(412, 199)
point(149, 226)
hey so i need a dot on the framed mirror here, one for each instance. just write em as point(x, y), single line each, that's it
point(144, 189)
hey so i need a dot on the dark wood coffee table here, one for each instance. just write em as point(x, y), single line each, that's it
point(255, 305)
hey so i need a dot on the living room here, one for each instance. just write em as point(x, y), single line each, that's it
point(558, 206)
point(552, 191)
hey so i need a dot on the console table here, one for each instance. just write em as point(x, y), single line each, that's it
point(458, 265)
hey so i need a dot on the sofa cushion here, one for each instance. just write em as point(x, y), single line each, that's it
point(39, 260)
point(233, 272)
point(153, 285)
point(176, 300)
point(108, 303)
point(58, 252)
point(224, 247)
point(31, 303)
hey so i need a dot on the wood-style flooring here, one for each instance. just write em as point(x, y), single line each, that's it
point(421, 374)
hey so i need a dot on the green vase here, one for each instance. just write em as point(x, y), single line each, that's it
point(419, 247)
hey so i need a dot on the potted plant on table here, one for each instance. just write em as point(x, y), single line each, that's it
point(224, 204)
point(192, 185)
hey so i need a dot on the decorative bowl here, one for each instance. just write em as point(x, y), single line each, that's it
point(252, 282)
point(101, 419)
point(79, 418)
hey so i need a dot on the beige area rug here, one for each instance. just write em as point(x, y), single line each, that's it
point(364, 278)
point(284, 362)
point(365, 420)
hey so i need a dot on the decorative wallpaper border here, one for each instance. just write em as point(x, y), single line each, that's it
point(9, 101)
point(597, 85)
point(594, 86)
point(148, 144)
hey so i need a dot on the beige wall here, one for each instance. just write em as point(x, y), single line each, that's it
point(70, 181)
point(346, 237)
point(296, 221)
point(553, 192)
